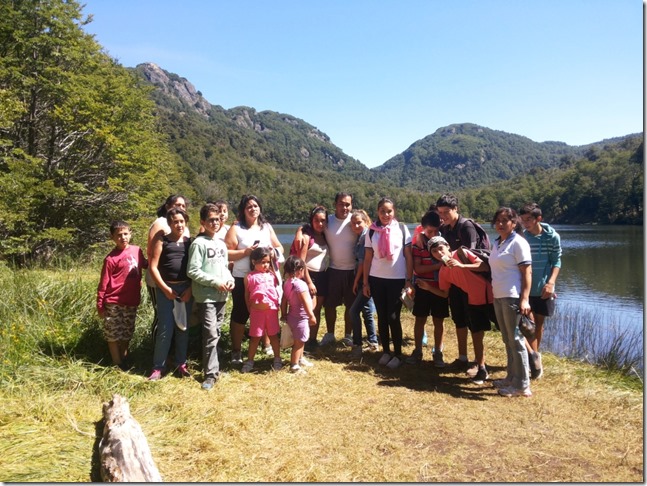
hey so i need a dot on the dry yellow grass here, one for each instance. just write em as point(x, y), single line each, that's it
point(343, 421)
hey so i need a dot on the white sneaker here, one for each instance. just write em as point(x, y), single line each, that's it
point(328, 338)
point(386, 357)
point(247, 367)
point(373, 346)
point(303, 362)
point(277, 365)
point(297, 369)
point(394, 363)
point(236, 357)
point(269, 351)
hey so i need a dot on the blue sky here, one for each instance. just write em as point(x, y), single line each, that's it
point(378, 75)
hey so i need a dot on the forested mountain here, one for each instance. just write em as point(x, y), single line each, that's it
point(466, 156)
point(293, 165)
point(287, 162)
point(84, 141)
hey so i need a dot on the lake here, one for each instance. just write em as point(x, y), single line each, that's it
point(602, 269)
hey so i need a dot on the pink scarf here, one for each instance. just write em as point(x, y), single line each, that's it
point(384, 243)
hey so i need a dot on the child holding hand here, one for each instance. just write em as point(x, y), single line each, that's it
point(118, 293)
point(262, 297)
point(296, 310)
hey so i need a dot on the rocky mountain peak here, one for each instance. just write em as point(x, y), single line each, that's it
point(175, 86)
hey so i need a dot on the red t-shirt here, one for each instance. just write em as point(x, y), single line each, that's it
point(121, 277)
point(477, 288)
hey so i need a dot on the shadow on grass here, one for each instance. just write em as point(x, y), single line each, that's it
point(420, 377)
point(95, 463)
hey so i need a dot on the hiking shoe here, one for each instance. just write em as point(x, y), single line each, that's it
point(373, 346)
point(277, 365)
point(269, 351)
point(515, 392)
point(247, 366)
point(394, 363)
point(236, 357)
point(208, 383)
point(481, 376)
point(155, 375)
point(183, 371)
point(305, 363)
point(386, 357)
point(438, 359)
point(328, 338)
point(415, 358)
point(347, 340)
point(504, 383)
point(356, 352)
point(536, 369)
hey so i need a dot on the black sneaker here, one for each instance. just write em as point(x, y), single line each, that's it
point(459, 365)
point(481, 376)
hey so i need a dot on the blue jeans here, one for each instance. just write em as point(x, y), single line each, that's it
point(166, 329)
point(366, 307)
point(515, 347)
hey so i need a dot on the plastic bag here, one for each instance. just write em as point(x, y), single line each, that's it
point(287, 340)
point(525, 324)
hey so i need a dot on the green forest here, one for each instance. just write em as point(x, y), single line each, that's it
point(85, 140)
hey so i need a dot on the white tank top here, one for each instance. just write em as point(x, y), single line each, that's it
point(246, 238)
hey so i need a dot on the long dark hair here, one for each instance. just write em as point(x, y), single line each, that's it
point(241, 211)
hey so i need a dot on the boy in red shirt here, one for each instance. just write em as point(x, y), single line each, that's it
point(477, 288)
point(118, 293)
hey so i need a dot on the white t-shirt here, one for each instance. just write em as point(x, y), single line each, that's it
point(504, 262)
point(246, 238)
point(317, 259)
point(383, 267)
point(341, 243)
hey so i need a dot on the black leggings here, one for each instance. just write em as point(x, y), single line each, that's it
point(386, 295)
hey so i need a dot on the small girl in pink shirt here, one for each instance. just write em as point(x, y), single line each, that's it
point(262, 297)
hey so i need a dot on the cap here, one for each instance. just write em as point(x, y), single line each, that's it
point(434, 241)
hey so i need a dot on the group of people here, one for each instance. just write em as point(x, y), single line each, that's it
point(336, 259)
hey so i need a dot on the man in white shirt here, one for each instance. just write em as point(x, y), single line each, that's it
point(341, 271)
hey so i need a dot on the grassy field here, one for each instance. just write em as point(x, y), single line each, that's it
point(344, 421)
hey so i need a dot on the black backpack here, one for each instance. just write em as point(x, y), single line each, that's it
point(483, 242)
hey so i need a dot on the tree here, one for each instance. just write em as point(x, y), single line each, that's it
point(78, 144)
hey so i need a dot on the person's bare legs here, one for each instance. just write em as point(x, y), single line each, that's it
point(461, 337)
point(237, 333)
point(331, 318)
point(439, 332)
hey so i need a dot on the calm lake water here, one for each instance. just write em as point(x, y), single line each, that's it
point(602, 269)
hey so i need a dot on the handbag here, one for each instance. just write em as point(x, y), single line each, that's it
point(287, 340)
point(525, 324)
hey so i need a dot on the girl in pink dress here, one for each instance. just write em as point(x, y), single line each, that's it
point(262, 297)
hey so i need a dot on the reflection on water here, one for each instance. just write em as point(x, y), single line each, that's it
point(602, 269)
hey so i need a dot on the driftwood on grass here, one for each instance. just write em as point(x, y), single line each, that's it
point(124, 451)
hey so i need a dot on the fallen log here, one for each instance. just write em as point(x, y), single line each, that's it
point(125, 455)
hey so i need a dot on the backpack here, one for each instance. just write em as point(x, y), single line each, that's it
point(484, 255)
point(306, 230)
point(483, 242)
